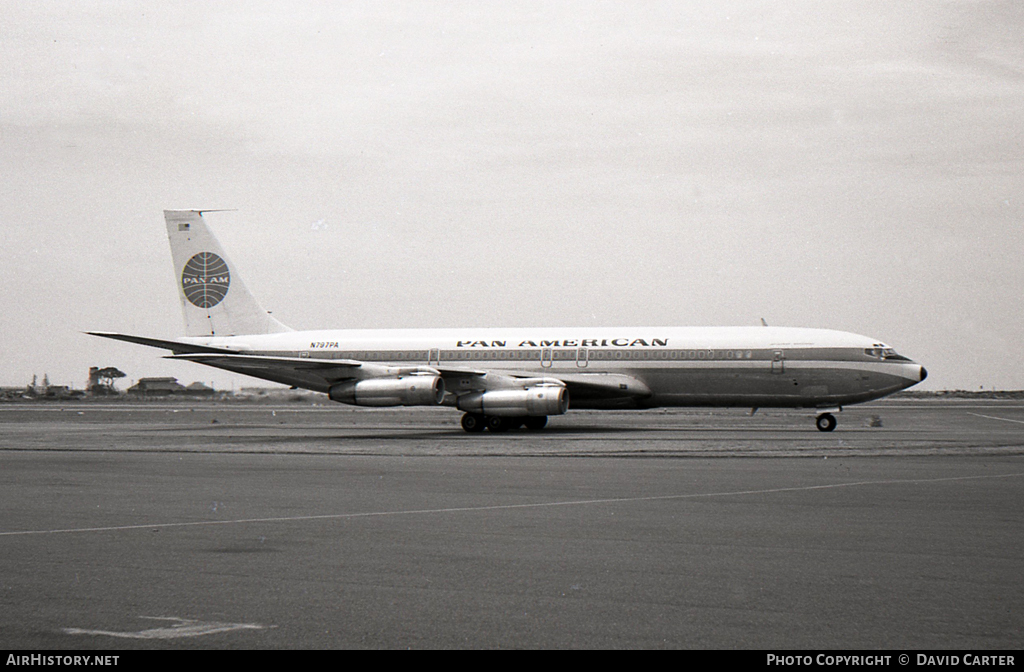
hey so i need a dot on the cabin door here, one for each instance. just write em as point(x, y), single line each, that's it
point(778, 362)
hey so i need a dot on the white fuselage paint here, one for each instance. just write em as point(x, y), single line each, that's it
point(679, 366)
point(517, 374)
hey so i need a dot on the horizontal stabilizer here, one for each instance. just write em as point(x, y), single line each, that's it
point(176, 346)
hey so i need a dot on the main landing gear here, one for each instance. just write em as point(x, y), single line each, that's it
point(474, 422)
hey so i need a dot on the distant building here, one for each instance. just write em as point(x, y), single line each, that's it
point(62, 392)
point(199, 389)
point(156, 387)
point(163, 387)
point(11, 393)
point(47, 390)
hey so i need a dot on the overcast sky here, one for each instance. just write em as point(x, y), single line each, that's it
point(844, 165)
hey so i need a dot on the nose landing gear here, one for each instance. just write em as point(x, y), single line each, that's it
point(826, 422)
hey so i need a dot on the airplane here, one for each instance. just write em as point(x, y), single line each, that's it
point(504, 379)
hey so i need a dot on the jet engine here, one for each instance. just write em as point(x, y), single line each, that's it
point(417, 390)
point(533, 401)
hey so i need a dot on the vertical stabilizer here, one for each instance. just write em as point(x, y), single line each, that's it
point(213, 297)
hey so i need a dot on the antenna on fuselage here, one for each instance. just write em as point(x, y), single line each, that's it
point(763, 323)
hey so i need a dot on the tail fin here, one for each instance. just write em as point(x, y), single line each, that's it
point(214, 299)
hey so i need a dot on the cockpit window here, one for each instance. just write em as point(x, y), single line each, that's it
point(883, 353)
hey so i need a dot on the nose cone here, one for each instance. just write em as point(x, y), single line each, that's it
point(924, 373)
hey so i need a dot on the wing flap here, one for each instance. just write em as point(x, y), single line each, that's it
point(265, 361)
point(448, 372)
point(605, 390)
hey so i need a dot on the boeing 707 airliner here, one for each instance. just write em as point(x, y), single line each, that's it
point(505, 379)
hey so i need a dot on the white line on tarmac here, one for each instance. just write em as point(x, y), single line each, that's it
point(992, 417)
point(505, 507)
point(179, 627)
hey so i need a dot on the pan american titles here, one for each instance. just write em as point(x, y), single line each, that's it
point(571, 343)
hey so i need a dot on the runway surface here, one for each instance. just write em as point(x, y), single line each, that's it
point(295, 526)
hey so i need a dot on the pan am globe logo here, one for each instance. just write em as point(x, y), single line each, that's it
point(205, 280)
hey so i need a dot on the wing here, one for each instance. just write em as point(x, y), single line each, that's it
point(308, 373)
point(586, 390)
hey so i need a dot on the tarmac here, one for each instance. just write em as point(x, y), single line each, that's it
point(296, 526)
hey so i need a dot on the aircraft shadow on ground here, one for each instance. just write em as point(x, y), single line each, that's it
point(551, 433)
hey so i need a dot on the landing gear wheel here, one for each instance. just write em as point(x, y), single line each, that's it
point(536, 422)
point(826, 422)
point(472, 422)
point(496, 423)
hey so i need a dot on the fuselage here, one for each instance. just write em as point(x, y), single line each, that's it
point(506, 378)
point(666, 366)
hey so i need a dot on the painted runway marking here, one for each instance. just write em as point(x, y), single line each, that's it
point(992, 417)
point(181, 627)
point(507, 507)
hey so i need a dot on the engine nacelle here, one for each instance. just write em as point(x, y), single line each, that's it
point(533, 401)
point(422, 390)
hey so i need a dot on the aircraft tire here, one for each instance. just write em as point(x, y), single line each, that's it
point(826, 422)
point(496, 423)
point(536, 422)
point(473, 422)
